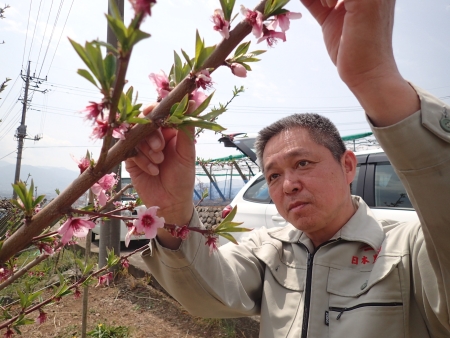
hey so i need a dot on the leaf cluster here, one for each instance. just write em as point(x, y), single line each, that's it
point(275, 7)
point(227, 8)
point(129, 109)
point(26, 197)
point(242, 56)
point(178, 115)
point(227, 225)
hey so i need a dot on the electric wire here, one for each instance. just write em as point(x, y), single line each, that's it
point(43, 36)
point(59, 40)
point(26, 34)
point(51, 36)
point(9, 91)
point(34, 31)
point(1, 158)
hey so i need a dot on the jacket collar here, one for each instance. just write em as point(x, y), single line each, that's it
point(361, 227)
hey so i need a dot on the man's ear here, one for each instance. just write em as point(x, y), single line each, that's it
point(349, 162)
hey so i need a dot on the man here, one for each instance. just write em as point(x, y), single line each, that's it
point(337, 272)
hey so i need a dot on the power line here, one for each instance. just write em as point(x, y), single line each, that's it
point(43, 36)
point(26, 35)
point(62, 31)
point(34, 31)
point(9, 91)
point(51, 36)
point(1, 158)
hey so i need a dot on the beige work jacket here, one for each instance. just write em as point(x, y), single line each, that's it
point(374, 278)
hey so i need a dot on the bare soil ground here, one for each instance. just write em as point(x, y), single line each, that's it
point(146, 311)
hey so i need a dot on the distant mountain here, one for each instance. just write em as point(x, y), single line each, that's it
point(47, 179)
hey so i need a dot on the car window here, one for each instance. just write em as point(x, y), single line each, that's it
point(389, 190)
point(354, 185)
point(258, 191)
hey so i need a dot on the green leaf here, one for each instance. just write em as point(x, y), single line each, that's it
point(229, 237)
point(230, 216)
point(232, 229)
point(119, 29)
point(246, 66)
point(22, 298)
point(138, 120)
point(88, 76)
point(107, 45)
point(182, 106)
point(203, 105)
point(257, 52)
point(213, 114)
point(205, 53)
point(94, 55)
point(273, 5)
point(279, 11)
point(38, 200)
point(242, 49)
point(178, 68)
point(187, 58)
point(136, 36)
point(110, 68)
point(196, 122)
point(115, 13)
point(198, 49)
point(82, 53)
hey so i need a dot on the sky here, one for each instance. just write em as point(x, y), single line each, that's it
point(293, 77)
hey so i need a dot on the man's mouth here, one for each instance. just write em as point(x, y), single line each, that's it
point(294, 206)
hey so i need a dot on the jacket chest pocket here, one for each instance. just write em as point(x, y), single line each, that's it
point(282, 298)
point(366, 303)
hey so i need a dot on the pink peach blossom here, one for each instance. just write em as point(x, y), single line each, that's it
point(94, 110)
point(83, 163)
point(100, 129)
point(105, 279)
point(125, 263)
point(103, 185)
point(148, 223)
point(143, 6)
point(220, 24)
point(211, 241)
point(120, 131)
point(77, 293)
point(203, 79)
point(41, 318)
point(254, 18)
point(270, 36)
point(238, 70)
point(198, 97)
point(161, 82)
point(77, 227)
point(283, 20)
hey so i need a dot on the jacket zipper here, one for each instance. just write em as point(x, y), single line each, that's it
point(309, 267)
point(341, 310)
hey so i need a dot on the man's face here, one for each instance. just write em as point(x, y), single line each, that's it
point(308, 186)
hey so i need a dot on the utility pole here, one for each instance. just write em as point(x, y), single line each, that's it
point(21, 132)
point(110, 231)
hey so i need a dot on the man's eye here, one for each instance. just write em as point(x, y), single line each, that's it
point(273, 176)
point(303, 163)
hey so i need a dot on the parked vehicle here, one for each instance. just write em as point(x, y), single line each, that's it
point(375, 181)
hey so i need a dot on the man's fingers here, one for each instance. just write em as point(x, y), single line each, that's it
point(148, 109)
point(142, 163)
point(318, 8)
point(155, 141)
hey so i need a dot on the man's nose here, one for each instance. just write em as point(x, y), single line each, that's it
point(291, 184)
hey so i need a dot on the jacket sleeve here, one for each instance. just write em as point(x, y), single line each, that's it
point(419, 149)
point(225, 283)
